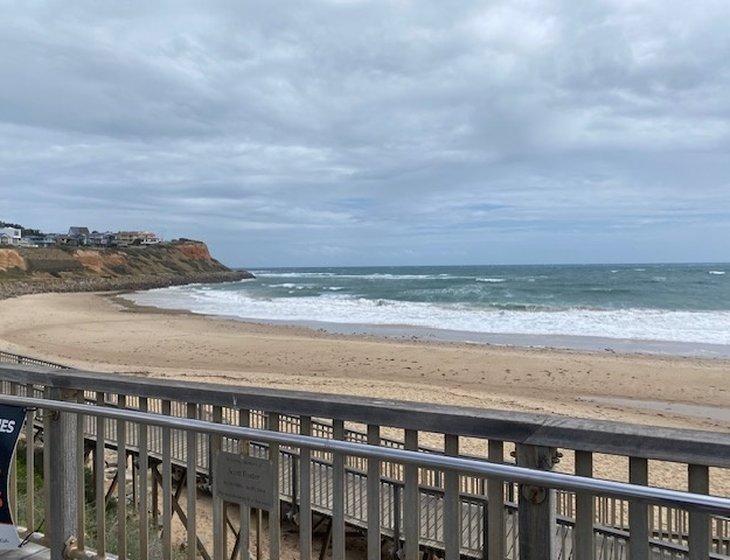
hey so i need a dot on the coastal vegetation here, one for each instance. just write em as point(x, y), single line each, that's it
point(111, 531)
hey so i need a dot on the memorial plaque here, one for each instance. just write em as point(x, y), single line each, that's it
point(244, 480)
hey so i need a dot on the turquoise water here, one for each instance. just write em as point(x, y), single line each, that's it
point(680, 303)
point(675, 287)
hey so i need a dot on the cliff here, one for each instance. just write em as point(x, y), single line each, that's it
point(25, 270)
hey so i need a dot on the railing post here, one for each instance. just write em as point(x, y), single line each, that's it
point(373, 493)
point(495, 505)
point(219, 523)
point(536, 508)
point(63, 476)
point(411, 499)
point(452, 503)
point(584, 514)
point(699, 523)
point(638, 512)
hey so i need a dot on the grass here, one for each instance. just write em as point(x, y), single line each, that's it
point(91, 529)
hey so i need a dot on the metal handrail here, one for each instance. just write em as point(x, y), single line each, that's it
point(685, 500)
point(695, 447)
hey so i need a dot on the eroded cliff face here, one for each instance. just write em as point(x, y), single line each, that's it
point(31, 270)
point(11, 259)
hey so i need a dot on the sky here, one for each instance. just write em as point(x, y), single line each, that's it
point(347, 132)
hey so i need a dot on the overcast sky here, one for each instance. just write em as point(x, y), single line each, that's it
point(348, 132)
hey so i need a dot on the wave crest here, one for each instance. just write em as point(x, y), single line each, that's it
point(512, 318)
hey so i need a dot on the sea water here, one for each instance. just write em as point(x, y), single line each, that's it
point(563, 305)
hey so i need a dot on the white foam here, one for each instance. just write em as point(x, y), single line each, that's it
point(640, 324)
point(491, 280)
point(717, 272)
point(263, 274)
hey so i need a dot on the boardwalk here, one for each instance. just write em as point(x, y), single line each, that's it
point(610, 543)
point(343, 494)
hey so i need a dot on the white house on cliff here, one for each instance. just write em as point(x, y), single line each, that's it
point(10, 236)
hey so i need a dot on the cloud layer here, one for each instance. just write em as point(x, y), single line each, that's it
point(348, 132)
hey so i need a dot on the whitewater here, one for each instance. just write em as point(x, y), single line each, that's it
point(676, 303)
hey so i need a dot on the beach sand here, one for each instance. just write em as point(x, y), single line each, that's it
point(103, 333)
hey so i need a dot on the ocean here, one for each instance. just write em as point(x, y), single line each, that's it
point(664, 308)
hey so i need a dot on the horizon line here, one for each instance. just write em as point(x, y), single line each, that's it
point(637, 263)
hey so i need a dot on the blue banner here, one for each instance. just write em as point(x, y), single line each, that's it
point(11, 422)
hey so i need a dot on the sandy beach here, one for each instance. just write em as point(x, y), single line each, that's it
point(104, 333)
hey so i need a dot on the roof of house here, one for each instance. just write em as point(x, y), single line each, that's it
point(75, 231)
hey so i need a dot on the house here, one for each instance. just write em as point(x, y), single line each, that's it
point(80, 234)
point(149, 238)
point(10, 236)
point(137, 238)
point(102, 239)
point(65, 240)
point(43, 240)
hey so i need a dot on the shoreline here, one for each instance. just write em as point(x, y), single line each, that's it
point(105, 332)
point(406, 332)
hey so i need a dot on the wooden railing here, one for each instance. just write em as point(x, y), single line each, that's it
point(443, 512)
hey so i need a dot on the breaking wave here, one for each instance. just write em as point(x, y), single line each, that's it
point(630, 323)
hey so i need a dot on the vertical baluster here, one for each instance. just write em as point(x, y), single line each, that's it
point(191, 451)
point(275, 513)
point(143, 484)
point(373, 493)
point(584, 548)
point(654, 513)
point(30, 466)
point(396, 512)
point(452, 506)
point(411, 509)
point(699, 523)
point(305, 492)
point(166, 486)
point(338, 495)
point(495, 504)
point(122, 482)
point(219, 524)
point(80, 482)
point(99, 467)
point(47, 467)
point(244, 537)
point(13, 473)
point(638, 512)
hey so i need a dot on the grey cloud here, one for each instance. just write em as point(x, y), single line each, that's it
point(332, 131)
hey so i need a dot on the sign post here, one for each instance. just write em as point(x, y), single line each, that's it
point(11, 422)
